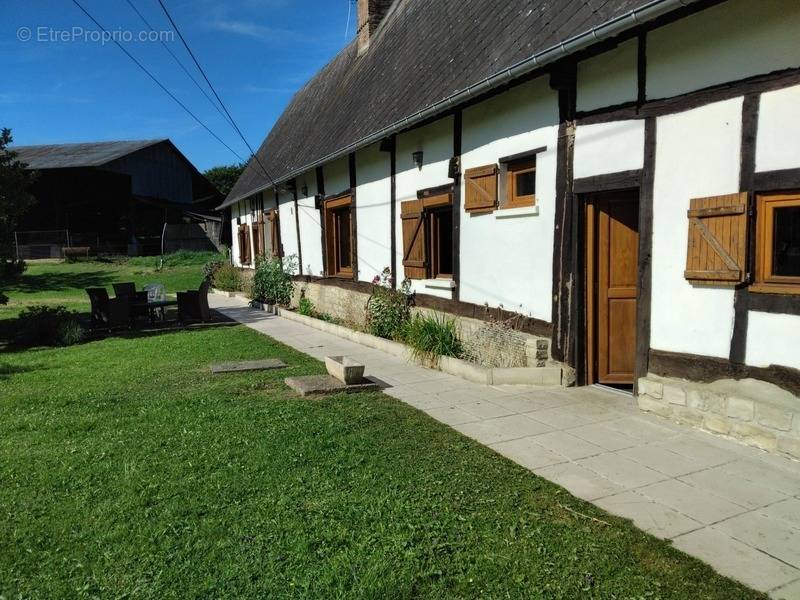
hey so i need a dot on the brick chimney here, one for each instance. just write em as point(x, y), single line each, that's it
point(370, 14)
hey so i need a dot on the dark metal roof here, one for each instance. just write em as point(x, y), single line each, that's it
point(89, 154)
point(424, 52)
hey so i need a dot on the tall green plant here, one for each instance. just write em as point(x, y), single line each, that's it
point(272, 282)
point(432, 336)
point(15, 199)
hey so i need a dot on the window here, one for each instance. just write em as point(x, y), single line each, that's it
point(428, 237)
point(521, 183)
point(338, 236)
point(778, 244)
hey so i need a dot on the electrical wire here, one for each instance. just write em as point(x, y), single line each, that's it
point(155, 80)
point(178, 61)
point(216, 95)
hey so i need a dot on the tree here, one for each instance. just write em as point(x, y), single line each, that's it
point(15, 180)
point(224, 176)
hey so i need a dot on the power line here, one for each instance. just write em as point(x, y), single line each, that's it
point(179, 62)
point(155, 80)
point(216, 95)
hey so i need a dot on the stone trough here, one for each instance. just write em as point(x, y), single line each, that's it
point(345, 375)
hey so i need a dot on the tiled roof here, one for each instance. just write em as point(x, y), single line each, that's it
point(90, 154)
point(424, 52)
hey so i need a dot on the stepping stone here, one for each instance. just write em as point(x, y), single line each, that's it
point(325, 384)
point(248, 365)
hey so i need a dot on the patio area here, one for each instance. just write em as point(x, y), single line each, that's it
point(732, 506)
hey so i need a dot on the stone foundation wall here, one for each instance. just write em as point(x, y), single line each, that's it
point(493, 346)
point(755, 412)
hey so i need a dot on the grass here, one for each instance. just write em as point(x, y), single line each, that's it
point(127, 470)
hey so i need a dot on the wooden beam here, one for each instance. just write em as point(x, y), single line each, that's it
point(393, 209)
point(747, 167)
point(608, 182)
point(784, 179)
point(707, 369)
point(641, 69)
point(645, 267)
point(456, 249)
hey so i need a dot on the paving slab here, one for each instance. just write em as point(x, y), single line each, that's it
point(790, 591)
point(568, 445)
point(529, 454)
point(733, 488)
point(247, 365)
point(315, 385)
point(662, 521)
point(769, 535)
point(491, 431)
point(736, 559)
point(662, 460)
point(623, 471)
point(696, 503)
point(580, 481)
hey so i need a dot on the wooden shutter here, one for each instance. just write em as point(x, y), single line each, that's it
point(481, 188)
point(717, 249)
point(414, 247)
point(275, 234)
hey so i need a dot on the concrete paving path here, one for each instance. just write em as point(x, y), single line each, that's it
point(732, 506)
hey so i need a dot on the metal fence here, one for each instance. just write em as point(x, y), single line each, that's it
point(32, 245)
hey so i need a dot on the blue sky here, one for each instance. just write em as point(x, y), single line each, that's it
point(257, 53)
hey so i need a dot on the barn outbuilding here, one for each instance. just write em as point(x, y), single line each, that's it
point(116, 197)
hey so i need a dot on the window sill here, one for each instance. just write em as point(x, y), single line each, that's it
point(512, 213)
point(439, 284)
point(774, 288)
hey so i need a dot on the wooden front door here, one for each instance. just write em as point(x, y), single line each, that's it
point(612, 286)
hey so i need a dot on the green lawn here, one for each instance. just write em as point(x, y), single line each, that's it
point(127, 470)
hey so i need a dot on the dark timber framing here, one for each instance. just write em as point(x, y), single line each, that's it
point(643, 302)
point(563, 80)
point(706, 369)
point(784, 179)
point(641, 69)
point(297, 227)
point(747, 167)
point(607, 182)
point(392, 145)
point(457, 130)
point(351, 167)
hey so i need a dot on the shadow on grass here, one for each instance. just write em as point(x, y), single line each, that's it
point(7, 370)
point(141, 329)
point(48, 282)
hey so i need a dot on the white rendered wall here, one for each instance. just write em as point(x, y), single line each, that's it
point(777, 145)
point(605, 148)
point(509, 262)
point(436, 142)
point(609, 78)
point(373, 211)
point(287, 223)
point(697, 155)
point(337, 176)
point(772, 339)
point(310, 227)
point(727, 42)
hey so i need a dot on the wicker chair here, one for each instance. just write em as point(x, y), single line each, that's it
point(193, 304)
point(108, 313)
point(136, 300)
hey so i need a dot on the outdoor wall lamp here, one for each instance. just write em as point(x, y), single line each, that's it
point(417, 156)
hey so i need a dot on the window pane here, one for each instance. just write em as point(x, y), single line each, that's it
point(343, 237)
point(526, 183)
point(786, 242)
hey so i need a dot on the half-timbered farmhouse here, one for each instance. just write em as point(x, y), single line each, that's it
point(621, 179)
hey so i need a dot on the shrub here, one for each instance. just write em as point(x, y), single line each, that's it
point(3, 298)
point(11, 269)
point(228, 278)
point(387, 309)
point(48, 326)
point(272, 282)
point(305, 307)
point(432, 336)
point(210, 269)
